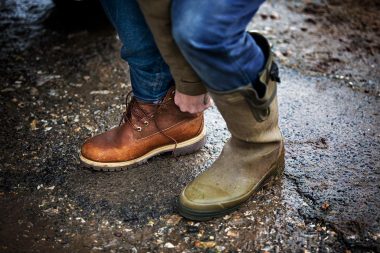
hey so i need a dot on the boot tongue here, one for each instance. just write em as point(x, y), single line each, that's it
point(139, 110)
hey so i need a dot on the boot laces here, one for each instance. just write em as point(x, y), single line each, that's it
point(134, 110)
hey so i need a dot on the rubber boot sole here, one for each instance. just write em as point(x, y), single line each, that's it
point(276, 171)
point(183, 148)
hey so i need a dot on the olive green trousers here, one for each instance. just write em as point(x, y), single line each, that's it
point(157, 16)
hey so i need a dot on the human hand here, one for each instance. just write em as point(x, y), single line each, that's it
point(192, 104)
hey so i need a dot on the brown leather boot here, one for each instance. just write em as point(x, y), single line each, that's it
point(146, 130)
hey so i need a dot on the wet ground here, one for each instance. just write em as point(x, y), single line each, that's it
point(60, 87)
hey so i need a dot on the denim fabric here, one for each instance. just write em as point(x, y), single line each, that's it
point(212, 36)
point(158, 17)
point(150, 75)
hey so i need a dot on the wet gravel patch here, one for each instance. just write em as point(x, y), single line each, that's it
point(338, 39)
point(327, 200)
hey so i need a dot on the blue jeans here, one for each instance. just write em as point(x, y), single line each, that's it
point(150, 75)
point(210, 34)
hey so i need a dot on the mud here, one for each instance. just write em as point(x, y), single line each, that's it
point(338, 39)
point(62, 86)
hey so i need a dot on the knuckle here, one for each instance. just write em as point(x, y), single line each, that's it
point(183, 109)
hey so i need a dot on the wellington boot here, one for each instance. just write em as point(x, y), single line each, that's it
point(253, 154)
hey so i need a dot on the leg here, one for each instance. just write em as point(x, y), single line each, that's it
point(150, 76)
point(241, 76)
point(157, 15)
point(152, 123)
point(212, 37)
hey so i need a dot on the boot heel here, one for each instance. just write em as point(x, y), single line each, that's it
point(190, 149)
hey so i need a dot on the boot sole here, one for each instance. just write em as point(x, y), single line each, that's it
point(276, 171)
point(183, 148)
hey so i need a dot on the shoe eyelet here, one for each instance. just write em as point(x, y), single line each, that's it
point(138, 129)
point(146, 123)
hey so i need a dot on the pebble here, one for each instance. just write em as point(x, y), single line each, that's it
point(77, 85)
point(267, 248)
point(100, 92)
point(352, 237)
point(169, 245)
point(80, 219)
point(232, 233)
point(174, 220)
point(220, 248)
point(89, 128)
point(44, 79)
point(34, 91)
point(53, 93)
point(7, 90)
point(209, 244)
point(51, 211)
point(226, 217)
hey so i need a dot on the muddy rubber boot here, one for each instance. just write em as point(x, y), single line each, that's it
point(253, 154)
point(146, 130)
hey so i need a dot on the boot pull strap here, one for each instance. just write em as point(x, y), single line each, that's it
point(260, 105)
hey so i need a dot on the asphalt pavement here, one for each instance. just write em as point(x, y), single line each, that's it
point(67, 86)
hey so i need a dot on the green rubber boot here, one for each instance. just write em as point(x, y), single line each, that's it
point(253, 154)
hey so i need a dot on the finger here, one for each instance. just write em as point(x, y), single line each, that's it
point(206, 99)
point(211, 102)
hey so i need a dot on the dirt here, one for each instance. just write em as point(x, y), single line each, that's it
point(60, 86)
point(331, 38)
